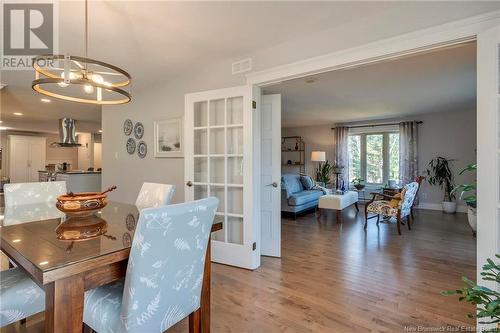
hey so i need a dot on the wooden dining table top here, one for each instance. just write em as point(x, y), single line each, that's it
point(28, 236)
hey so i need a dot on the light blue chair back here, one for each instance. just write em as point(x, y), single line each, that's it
point(155, 195)
point(166, 262)
point(410, 191)
point(33, 193)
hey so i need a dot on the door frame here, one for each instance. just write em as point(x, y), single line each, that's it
point(444, 35)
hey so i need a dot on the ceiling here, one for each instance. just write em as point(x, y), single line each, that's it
point(438, 81)
point(164, 40)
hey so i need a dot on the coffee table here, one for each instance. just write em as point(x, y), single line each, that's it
point(338, 202)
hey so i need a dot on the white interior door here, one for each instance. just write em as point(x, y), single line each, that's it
point(18, 159)
point(37, 156)
point(271, 175)
point(488, 146)
point(221, 160)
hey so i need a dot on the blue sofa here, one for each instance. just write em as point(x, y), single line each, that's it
point(295, 198)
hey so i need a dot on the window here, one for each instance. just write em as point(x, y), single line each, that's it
point(374, 157)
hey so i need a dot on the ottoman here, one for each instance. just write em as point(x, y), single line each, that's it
point(338, 202)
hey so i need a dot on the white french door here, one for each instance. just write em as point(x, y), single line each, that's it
point(221, 160)
point(271, 175)
point(488, 146)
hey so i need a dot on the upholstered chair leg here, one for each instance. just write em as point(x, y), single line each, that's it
point(366, 216)
point(195, 321)
point(399, 224)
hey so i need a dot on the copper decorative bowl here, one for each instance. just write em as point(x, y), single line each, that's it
point(82, 204)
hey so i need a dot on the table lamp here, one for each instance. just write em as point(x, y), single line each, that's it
point(318, 156)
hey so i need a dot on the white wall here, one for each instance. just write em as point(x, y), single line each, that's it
point(448, 134)
point(166, 99)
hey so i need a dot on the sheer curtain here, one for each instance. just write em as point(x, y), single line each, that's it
point(341, 137)
point(408, 150)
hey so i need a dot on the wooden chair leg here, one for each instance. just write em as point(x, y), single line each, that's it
point(411, 211)
point(356, 205)
point(194, 322)
point(23, 321)
point(338, 214)
point(409, 220)
point(319, 212)
point(399, 224)
point(378, 220)
point(87, 329)
point(366, 218)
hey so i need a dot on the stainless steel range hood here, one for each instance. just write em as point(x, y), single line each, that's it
point(67, 133)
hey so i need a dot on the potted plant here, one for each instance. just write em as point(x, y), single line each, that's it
point(468, 194)
point(323, 173)
point(486, 299)
point(439, 173)
point(358, 183)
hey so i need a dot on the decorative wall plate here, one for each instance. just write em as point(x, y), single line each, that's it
point(138, 130)
point(130, 146)
point(127, 127)
point(142, 149)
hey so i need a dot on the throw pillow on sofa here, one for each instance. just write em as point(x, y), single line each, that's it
point(307, 182)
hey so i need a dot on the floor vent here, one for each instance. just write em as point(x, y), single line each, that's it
point(242, 66)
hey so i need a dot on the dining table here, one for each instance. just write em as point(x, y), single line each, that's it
point(67, 258)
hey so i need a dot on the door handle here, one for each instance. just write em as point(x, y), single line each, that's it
point(273, 184)
point(189, 183)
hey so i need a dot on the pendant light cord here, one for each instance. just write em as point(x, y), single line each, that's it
point(86, 30)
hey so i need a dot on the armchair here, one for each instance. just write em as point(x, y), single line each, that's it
point(398, 206)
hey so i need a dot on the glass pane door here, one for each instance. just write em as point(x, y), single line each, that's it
point(218, 162)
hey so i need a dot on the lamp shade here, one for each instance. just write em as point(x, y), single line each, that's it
point(318, 156)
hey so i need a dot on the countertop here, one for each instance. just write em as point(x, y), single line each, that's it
point(73, 172)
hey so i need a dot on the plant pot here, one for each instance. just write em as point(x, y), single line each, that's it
point(449, 207)
point(359, 187)
point(472, 217)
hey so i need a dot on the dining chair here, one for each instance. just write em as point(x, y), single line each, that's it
point(398, 206)
point(164, 273)
point(33, 193)
point(155, 195)
point(20, 296)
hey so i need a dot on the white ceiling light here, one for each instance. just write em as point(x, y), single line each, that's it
point(81, 79)
point(45, 100)
point(100, 131)
point(17, 114)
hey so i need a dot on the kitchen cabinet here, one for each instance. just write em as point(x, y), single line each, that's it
point(27, 155)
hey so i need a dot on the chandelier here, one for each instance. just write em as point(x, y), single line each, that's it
point(81, 79)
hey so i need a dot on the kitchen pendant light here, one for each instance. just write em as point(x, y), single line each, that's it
point(81, 79)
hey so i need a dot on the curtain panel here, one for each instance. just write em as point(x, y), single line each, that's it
point(341, 152)
point(408, 151)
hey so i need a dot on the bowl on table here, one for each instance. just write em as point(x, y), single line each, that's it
point(82, 204)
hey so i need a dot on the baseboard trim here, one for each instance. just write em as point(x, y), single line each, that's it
point(435, 206)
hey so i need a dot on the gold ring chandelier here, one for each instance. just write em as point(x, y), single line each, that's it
point(81, 79)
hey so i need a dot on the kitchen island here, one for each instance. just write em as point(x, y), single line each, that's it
point(77, 181)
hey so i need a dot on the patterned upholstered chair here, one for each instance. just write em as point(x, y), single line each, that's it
point(20, 297)
point(155, 195)
point(164, 273)
point(33, 193)
point(393, 206)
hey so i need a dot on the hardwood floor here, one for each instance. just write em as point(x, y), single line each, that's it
point(337, 278)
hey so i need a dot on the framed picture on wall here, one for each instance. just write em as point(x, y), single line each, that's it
point(168, 140)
